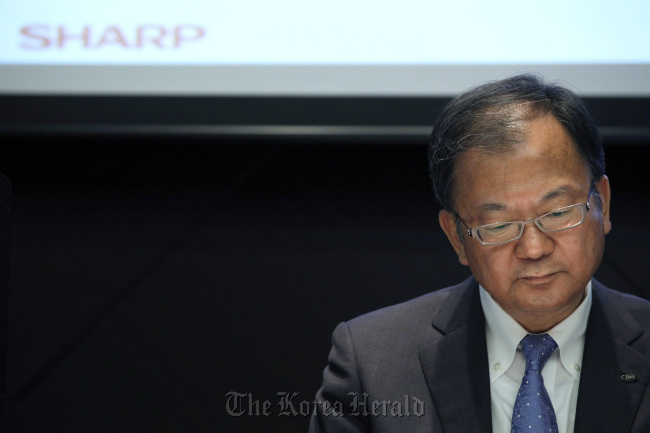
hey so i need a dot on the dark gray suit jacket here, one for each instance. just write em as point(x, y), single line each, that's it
point(422, 366)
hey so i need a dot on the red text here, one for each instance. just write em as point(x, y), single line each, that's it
point(43, 36)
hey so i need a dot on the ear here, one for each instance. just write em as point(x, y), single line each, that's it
point(448, 224)
point(605, 196)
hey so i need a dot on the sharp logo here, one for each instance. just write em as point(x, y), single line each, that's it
point(43, 37)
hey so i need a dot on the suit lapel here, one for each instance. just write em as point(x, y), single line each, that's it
point(607, 402)
point(455, 364)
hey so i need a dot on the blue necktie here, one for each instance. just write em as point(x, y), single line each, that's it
point(533, 411)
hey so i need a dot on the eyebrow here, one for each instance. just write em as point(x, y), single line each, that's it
point(492, 206)
point(548, 196)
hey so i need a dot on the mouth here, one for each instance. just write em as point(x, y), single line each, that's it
point(540, 279)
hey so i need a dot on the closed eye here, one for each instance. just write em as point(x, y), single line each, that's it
point(559, 214)
point(497, 228)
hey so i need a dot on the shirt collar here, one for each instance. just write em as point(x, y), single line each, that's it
point(569, 335)
point(503, 335)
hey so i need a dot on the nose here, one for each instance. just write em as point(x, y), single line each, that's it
point(534, 243)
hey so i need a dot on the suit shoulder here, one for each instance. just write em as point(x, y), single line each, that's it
point(419, 311)
point(637, 307)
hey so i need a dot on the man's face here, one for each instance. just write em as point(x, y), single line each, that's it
point(540, 278)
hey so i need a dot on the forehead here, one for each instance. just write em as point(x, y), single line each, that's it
point(545, 160)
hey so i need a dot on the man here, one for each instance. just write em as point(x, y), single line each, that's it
point(531, 342)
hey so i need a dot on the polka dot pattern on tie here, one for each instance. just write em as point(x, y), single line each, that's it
point(533, 411)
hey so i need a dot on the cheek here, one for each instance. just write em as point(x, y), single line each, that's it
point(570, 248)
point(494, 264)
point(581, 254)
point(585, 243)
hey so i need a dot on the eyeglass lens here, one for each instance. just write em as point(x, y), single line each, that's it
point(560, 219)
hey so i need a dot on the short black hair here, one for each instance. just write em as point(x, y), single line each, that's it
point(488, 116)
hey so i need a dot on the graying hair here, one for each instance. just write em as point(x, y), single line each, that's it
point(489, 117)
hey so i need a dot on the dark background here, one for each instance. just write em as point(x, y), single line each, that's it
point(155, 269)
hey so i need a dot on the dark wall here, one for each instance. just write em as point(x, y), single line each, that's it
point(5, 212)
point(152, 276)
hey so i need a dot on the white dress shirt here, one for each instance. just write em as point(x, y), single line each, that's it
point(507, 363)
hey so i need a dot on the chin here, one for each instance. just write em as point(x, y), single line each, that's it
point(548, 302)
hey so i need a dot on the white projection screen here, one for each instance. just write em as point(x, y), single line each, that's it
point(345, 49)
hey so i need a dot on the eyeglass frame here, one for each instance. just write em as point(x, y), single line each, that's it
point(522, 224)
